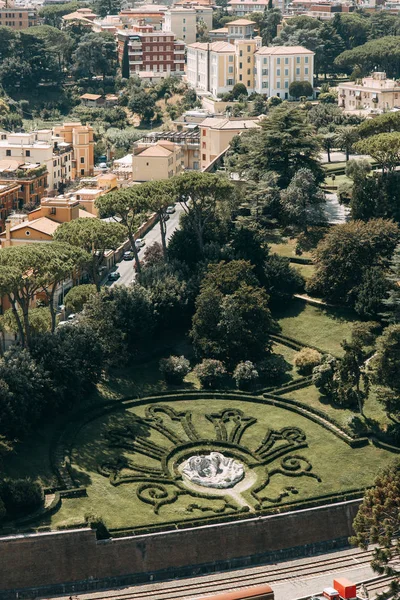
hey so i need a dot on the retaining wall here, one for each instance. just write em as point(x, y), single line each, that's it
point(50, 560)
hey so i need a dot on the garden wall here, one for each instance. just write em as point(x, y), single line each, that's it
point(49, 560)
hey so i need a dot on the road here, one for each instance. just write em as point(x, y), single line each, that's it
point(126, 267)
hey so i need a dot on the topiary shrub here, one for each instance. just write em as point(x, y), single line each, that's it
point(245, 375)
point(174, 368)
point(306, 360)
point(21, 496)
point(211, 373)
point(96, 523)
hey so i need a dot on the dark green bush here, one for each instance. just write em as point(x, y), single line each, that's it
point(211, 373)
point(21, 496)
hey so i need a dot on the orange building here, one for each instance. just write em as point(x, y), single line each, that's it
point(40, 224)
point(8, 200)
point(82, 141)
point(31, 180)
point(19, 18)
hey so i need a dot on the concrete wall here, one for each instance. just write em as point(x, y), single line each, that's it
point(49, 559)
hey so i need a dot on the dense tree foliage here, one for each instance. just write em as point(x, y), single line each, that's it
point(382, 54)
point(347, 253)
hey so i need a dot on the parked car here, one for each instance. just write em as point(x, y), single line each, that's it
point(170, 210)
point(166, 216)
point(128, 255)
point(140, 242)
point(114, 276)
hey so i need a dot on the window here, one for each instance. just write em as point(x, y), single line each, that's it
point(27, 152)
point(229, 82)
point(278, 61)
point(184, 20)
point(231, 59)
point(240, 65)
point(28, 233)
point(82, 171)
point(204, 145)
point(306, 71)
point(264, 84)
point(240, 78)
point(278, 72)
point(286, 61)
point(249, 59)
point(298, 60)
point(82, 160)
point(265, 71)
point(265, 60)
point(297, 71)
point(278, 84)
point(230, 69)
point(241, 53)
point(248, 83)
point(203, 157)
point(204, 131)
point(8, 152)
point(184, 28)
point(306, 60)
point(248, 71)
point(286, 72)
point(286, 84)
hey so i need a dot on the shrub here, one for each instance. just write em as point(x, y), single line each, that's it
point(306, 360)
point(174, 368)
point(273, 369)
point(96, 523)
point(21, 496)
point(245, 375)
point(211, 373)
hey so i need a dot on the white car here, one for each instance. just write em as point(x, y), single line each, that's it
point(170, 210)
point(139, 243)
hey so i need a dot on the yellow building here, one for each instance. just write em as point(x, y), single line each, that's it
point(161, 160)
point(82, 141)
point(374, 93)
point(216, 135)
point(276, 67)
point(93, 188)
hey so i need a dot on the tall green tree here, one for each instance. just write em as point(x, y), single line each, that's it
point(94, 237)
point(384, 148)
point(284, 144)
point(108, 7)
point(202, 196)
point(302, 200)
point(95, 55)
point(346, 252)
point(346, 137)
point(156, 197)
point(382, 54)
point(378, 522)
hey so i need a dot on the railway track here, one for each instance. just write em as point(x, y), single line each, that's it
point(378, 585)
point(222, 582)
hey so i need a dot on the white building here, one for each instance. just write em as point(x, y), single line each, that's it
point(276, 67)
point(40, 147)
point(183, 21)
point(375, 93)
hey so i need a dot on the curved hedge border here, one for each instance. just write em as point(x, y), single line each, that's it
point(63, 443)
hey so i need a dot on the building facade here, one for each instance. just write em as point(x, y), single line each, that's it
point(18, 18)
point(269, 70)
point(189, 142)
point(152, 54)
point(81, 139)
point(161, 160)
point(9, 192)
point(183, 21)
point(216, 135)
point(375, 93)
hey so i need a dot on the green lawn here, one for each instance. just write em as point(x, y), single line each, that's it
point(321, 327)
point(120, 506)
point(307, 271)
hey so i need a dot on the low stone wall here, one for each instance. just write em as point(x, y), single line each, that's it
point(66, 561)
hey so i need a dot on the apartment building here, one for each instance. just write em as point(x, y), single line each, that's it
point(40, 224)
point(81, 139)
point(161, 160)
point(216, 135)
point(31, 179)
point(183, 21)
point(241, 29)
point(188, 141)
point(9, 192)
point(374, 93)
point(269, 70)
point(152, 54)
point(19, 18)
point(277, 66)
point(94, 187)
point(38, 148)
